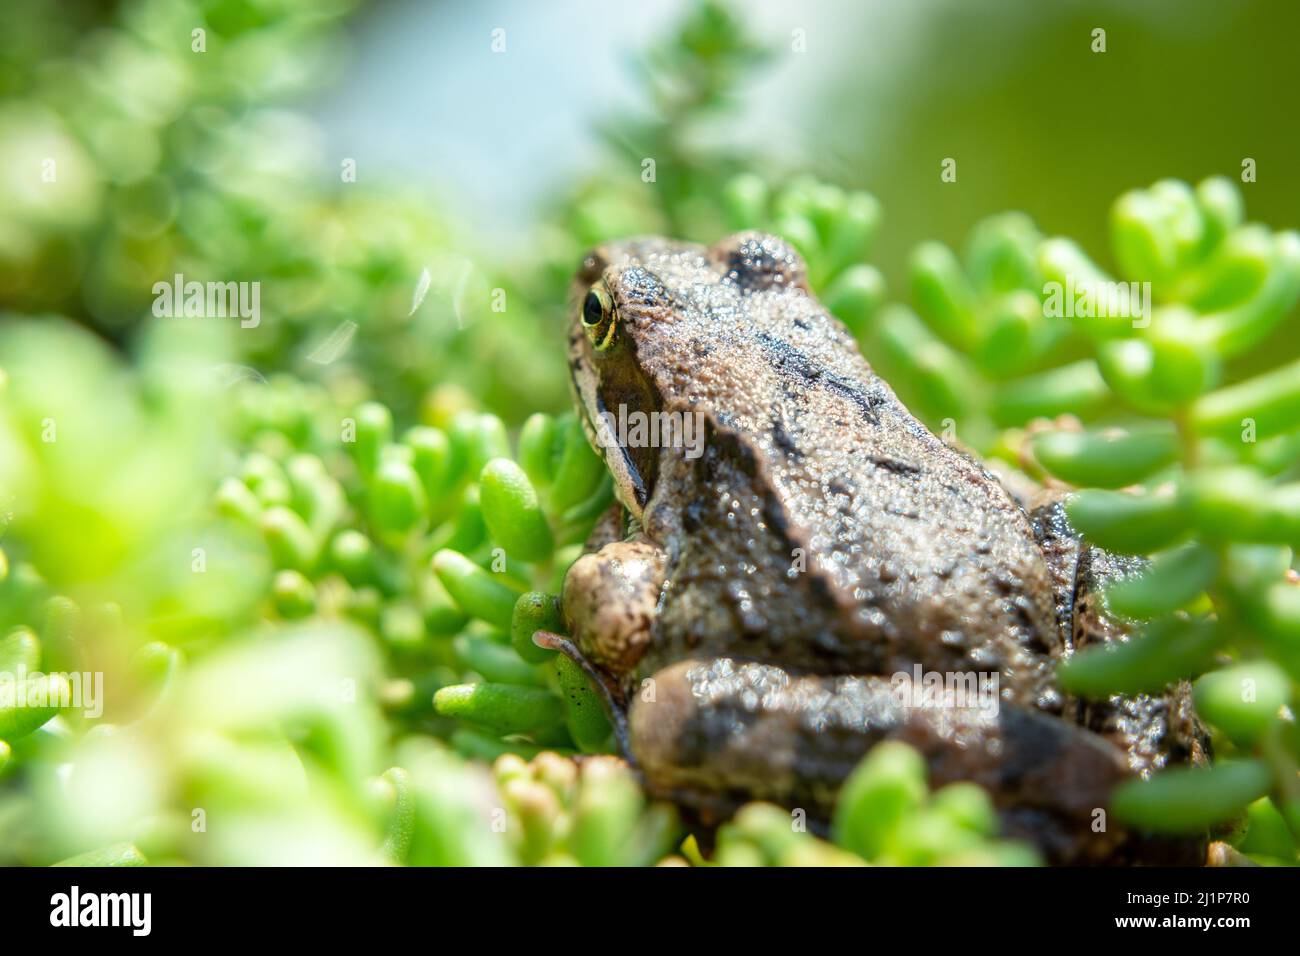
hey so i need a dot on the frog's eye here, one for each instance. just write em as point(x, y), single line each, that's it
point(598, 317)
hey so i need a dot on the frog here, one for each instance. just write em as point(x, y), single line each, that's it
point(766, 602)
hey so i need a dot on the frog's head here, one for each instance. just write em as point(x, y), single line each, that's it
point(643, 310)
point(622, 302)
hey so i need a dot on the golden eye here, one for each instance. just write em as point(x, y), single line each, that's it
point(598, 317)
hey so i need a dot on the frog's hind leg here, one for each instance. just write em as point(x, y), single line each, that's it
point(713, 734)
point(1060, 546)
point(1154, 731)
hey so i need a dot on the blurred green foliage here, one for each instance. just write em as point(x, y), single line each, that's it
point(139, 155)
point(1037, 121)
point(309, 557)
point(1141, 400)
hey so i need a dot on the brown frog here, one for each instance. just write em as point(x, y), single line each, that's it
point(798, 555)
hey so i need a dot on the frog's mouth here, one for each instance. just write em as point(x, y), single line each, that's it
point(629, 486)
point(586, 397)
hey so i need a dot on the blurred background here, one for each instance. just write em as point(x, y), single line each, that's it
point(879, 94)
point(230, 161)
point(412, 184)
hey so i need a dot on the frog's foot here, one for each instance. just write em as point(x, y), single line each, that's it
point(713, 734)
point(611, 694)
point(1155, 731)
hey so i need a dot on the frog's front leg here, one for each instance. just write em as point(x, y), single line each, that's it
point(712, 734)
point(610, 599)
point(609, 602)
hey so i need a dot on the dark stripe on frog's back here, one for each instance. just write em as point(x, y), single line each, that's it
point(888, 451)
point(793, 364)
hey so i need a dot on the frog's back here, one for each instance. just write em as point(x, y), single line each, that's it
point(825, 524)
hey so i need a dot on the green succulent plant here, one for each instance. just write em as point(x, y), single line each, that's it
point(308, 558)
